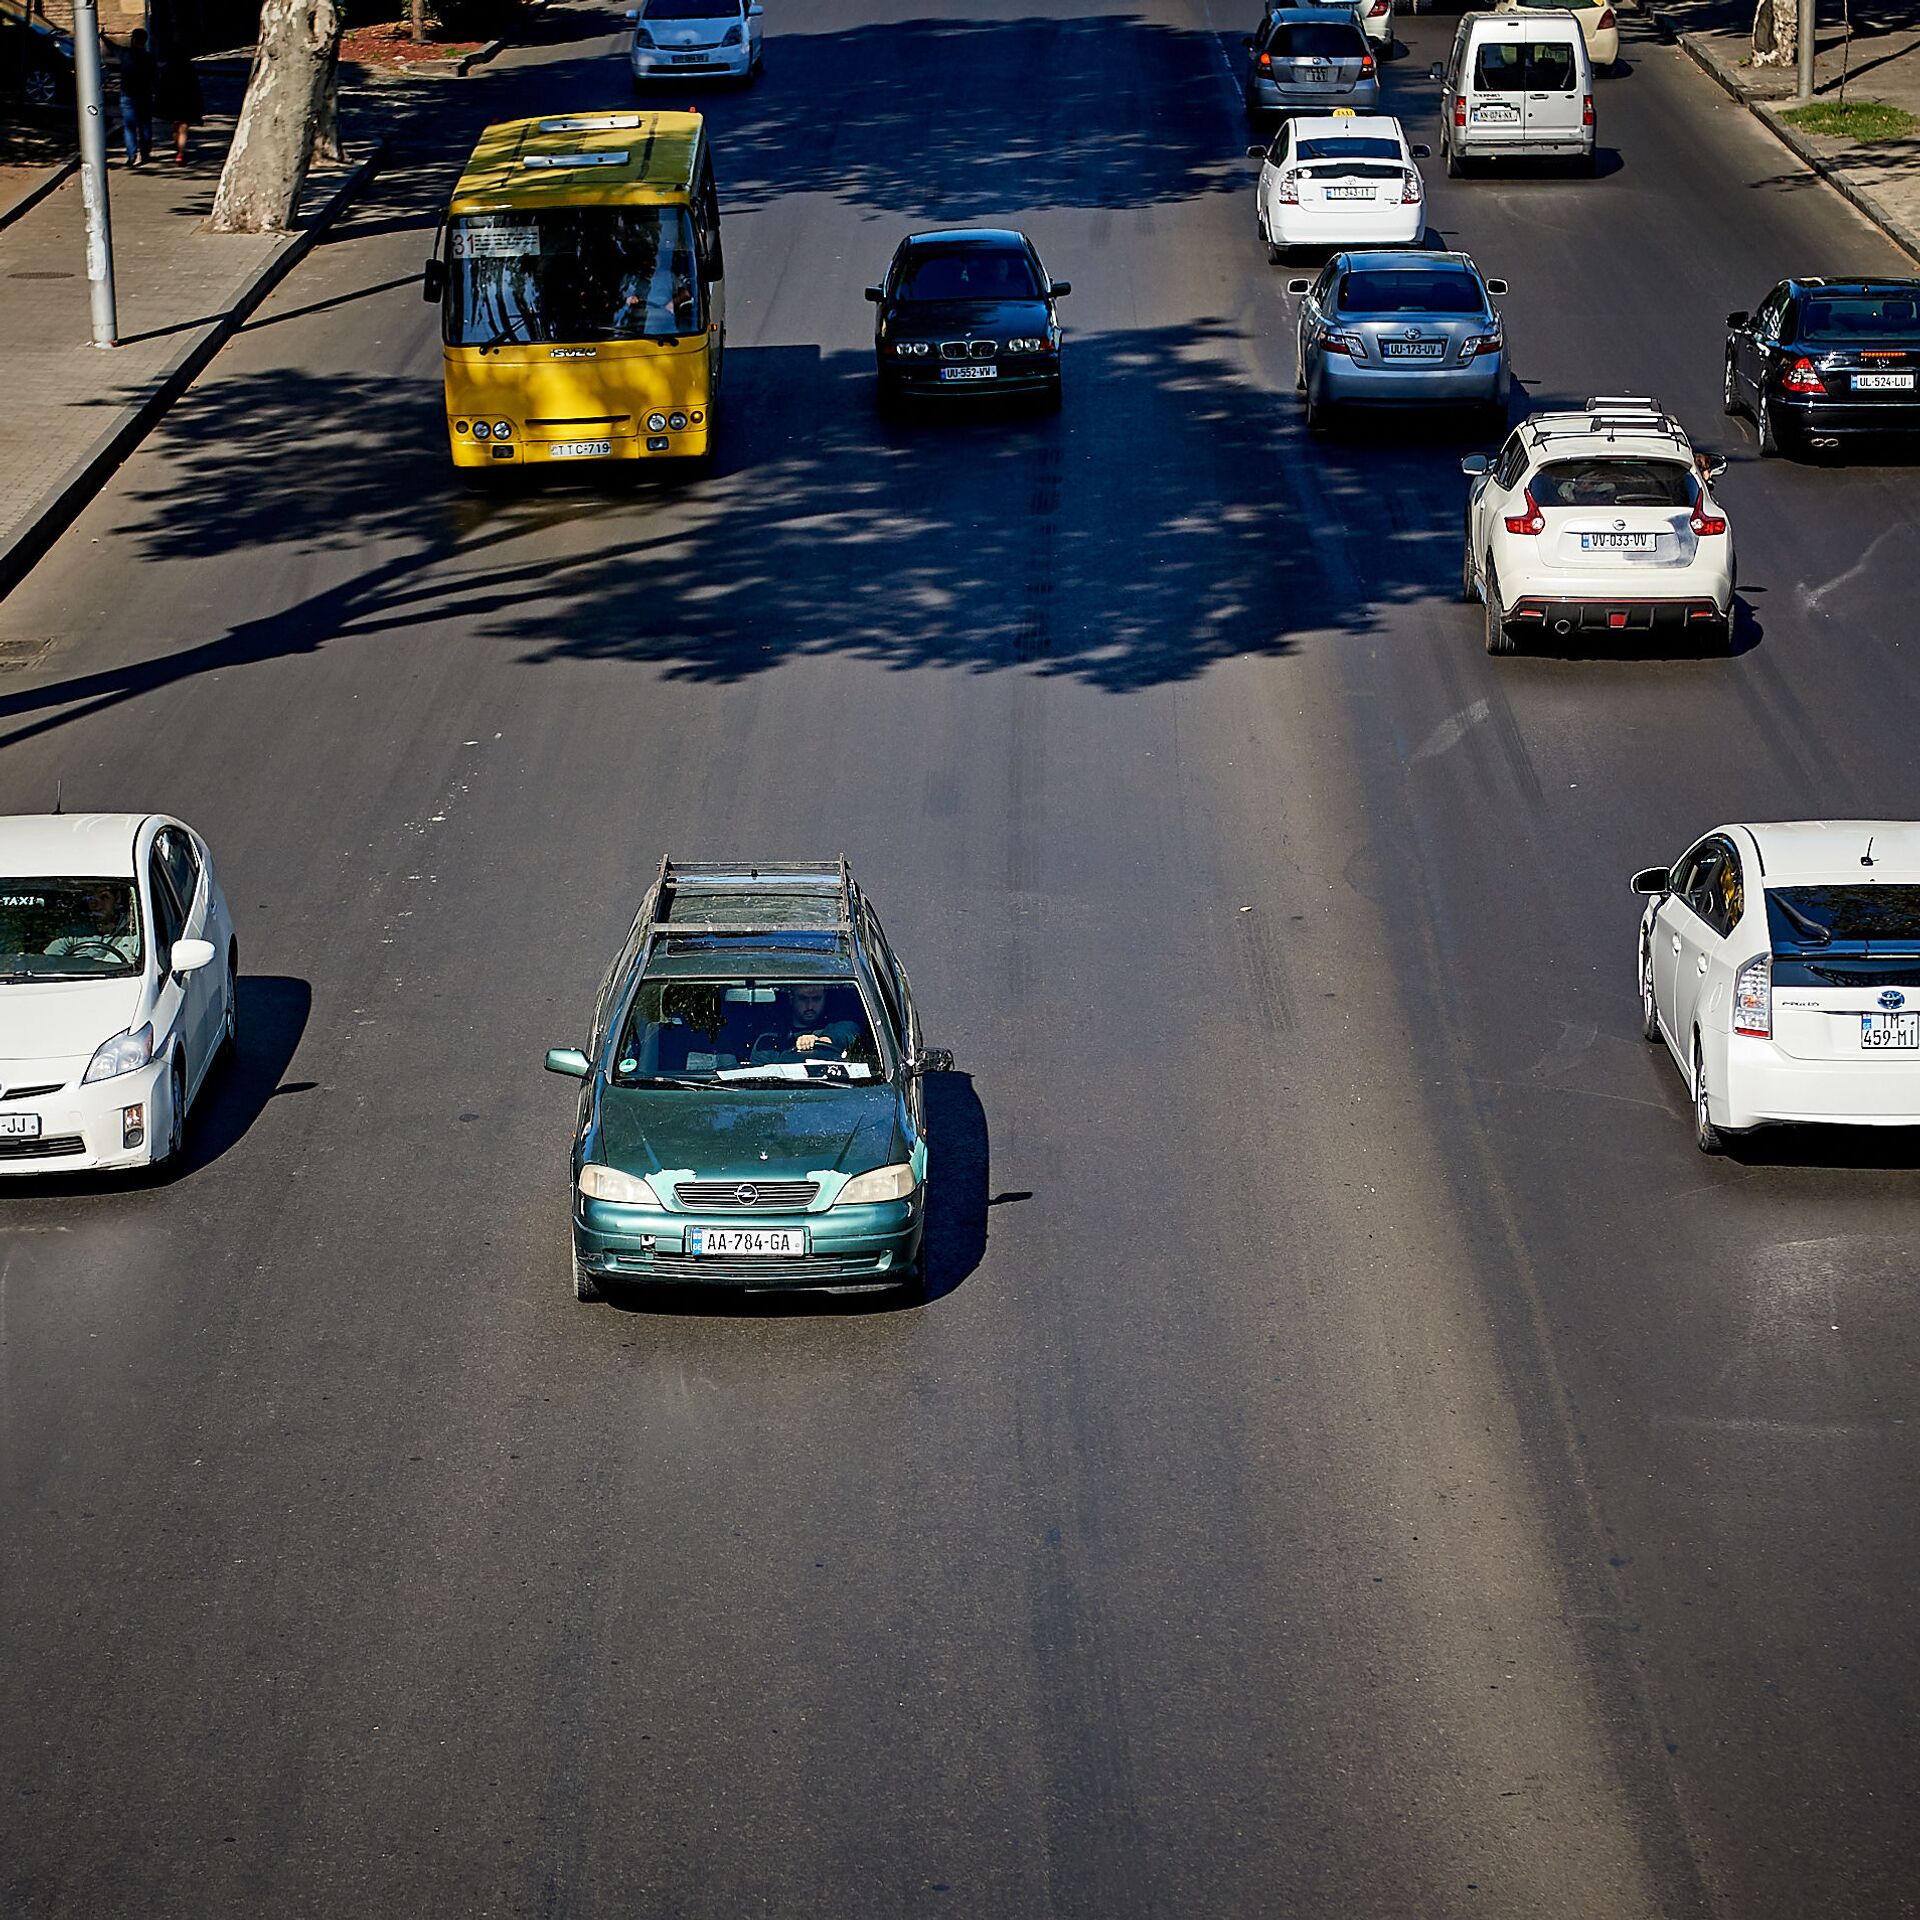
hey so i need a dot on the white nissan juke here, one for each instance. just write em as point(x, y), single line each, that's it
point(117, 965)
point(1781, 966)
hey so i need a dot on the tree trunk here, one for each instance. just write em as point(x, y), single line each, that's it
point(418, 10)
point(327, 147)
point(1776, 33)
point(287, 95)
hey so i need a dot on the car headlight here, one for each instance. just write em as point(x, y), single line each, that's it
point(656, 423)
point(481, 431)
point(609, 1183)
point(883, 1183)
point(124, 1053)
point(910, 349)
point(643, 39)
point(503, 429)
point(731, 38)
point(1028, 344)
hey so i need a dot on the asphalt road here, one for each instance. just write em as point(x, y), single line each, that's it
point(1359, 1460)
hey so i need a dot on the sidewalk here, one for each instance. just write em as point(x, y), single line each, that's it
point(75, 411)
point(1883, 62)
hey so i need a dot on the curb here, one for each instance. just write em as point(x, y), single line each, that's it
point(28, 202)
point(63, 501)
point(477, 58)
point(1791, 138)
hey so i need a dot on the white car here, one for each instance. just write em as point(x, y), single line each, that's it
point(1595, 523)
point(117, 962)
point(1340, 181)
point(1599, 26)
point(1781, 966)
point(689, 39)
point(1376, 22)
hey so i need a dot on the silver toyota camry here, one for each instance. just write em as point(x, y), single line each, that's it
point(1400, 329)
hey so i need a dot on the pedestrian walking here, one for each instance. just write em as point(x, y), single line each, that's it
point(178, 95)
point(139, 80)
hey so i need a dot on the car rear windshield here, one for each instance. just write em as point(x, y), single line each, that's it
point(1524, 66)
point(1804, 918)
point(1337, 149)
point(1411, 290)
point(69, 929)
point(978, 273)
point(1832, 318)
point(1613, 483)
point(1310, 40)
point(746, 1031)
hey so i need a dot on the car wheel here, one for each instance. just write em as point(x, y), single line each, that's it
point(1053, 395)
point(1276, 256)
point(167, 1159)
point(1469, 580)
point(1763, 426)
point(1649, 1012)
point(1320, 414)
point(912, 1290)
point(585, 1286)
point(1590, 164)
point(1706, 1136)
point(1455, 165)
point(1729, 390)
point(39, 88)
point(230, 1031)
point(1498, 638)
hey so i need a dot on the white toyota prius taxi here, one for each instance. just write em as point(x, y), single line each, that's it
point(117, 962)
point(1781, 966)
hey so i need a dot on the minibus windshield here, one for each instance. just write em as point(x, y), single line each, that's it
point(569, 274)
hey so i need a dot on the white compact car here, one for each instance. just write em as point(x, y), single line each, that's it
point(1376, 22)
point(1345, 180)
point(117, 963)
point(682, 39)
point(1595, 523)
point(1598, 23)
point(1781, 966)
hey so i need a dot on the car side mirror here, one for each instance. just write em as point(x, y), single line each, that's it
point(1298, 286)
point(1716, 465)
point(1420, 150)
point(433, 282)
point(633, 13)
point(1738, 319)
point(931, 1060)
point(1474, 465)
point(189, 956)
point(1256, 153)
point(875, 295)
point(1652, 880)
point(1436, 71)
point(1059, 289)
point(1496, 286)
point(568, 1060)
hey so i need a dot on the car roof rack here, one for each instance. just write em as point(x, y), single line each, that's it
point(1609, 414)
point(822, 894)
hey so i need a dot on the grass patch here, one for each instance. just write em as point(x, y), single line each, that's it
point(1862, 120)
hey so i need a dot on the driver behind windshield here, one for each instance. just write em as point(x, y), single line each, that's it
point(812, 1029)
point(99, 926)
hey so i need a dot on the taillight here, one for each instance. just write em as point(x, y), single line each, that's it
point(1481, 343)
point(1753, 998)
point(1378, 8)
point(1266, 59)
point(1532, 521)
point(1348, 343)
point(1410, 187)
point(1366, 63)
point(1586, 110)
point(1288, 191)
point(1459, 109)
point(1605, 21)
point(1704, 523)
point(1803, 377)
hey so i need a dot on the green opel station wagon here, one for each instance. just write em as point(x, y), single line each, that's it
point(752, 1114)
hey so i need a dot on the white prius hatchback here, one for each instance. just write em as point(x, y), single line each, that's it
point(1339, 182)
point(117, 964)
point(1780, 964)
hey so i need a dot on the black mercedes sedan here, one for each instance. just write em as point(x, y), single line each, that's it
point(1826, 360)
point(967, 310)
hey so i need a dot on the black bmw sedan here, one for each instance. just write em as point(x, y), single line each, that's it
point(967, 310)
point(1826, 360)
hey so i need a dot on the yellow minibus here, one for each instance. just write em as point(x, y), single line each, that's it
point(583, 311)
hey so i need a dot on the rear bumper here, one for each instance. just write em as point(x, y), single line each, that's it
point(1391, 225)
point(873, 1246)
point(1534, 613)
point(1266, 96)
point(1482, 382)
point(1815, 417)
point(1469, 145)
point(1766, 1087)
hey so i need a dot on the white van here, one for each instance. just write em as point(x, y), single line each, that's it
point(1517, 85)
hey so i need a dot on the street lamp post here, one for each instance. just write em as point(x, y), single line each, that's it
point(1805, 92)
point(88, 94)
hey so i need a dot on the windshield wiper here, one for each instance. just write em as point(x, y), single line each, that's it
point(663, 1080)
point(1812, 929)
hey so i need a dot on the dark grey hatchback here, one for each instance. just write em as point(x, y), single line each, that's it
point(967, 310)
